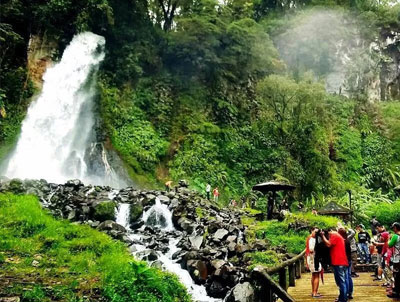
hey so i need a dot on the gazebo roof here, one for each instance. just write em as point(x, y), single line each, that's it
point(273, 186)
point(332, 208)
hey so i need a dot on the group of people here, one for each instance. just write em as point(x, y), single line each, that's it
point(215, 192)
point(338, 248)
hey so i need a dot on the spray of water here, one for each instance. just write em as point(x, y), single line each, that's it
point(57, 136)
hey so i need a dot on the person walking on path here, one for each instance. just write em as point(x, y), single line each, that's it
point(208, 191)
point(349, 280)
point(351, 234)
point(363, 241)
point(339, 262)
point(216, 194)
point(395, 259)
point(315, 268)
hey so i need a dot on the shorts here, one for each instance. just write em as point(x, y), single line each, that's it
point(380, 261)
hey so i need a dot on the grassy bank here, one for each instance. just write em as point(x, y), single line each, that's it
point(44, 259)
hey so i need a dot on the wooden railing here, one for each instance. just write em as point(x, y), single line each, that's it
point(268, 287)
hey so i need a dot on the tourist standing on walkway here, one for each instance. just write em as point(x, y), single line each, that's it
point(382, 247)
point(374, 225)
point(351, 234)
point(208, 191)
point(315, 268)
point(216, 194)
point(363, 242)
point(395, 259)
point(339, 262)
point(349, 280)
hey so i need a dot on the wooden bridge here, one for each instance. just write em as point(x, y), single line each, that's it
point(294, 284)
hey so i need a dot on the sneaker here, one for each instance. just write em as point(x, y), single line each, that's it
point(393, 295)
point(377, 279)
point(355, 275)
point(350, 297)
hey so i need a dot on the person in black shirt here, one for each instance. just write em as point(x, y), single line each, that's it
point(363, 242)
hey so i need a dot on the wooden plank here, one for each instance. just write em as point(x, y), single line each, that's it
point(365, 289)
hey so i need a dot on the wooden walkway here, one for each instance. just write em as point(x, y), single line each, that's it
point(365, 290)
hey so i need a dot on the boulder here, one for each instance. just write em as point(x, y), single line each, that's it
point(198, 270)
point(105, 211)
point(220, 234)
point(196, 241)
point(110, 225)
point(242, 292)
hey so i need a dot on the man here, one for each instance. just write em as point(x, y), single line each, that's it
point(382, 247)
point(208, 191)
point(374, 225)
point(339, 262)
point(395, 244)
point(168, 185)
point(351, 234)
point(349, 280)
point(363, 241)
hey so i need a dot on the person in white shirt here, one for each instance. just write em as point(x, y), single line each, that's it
point(208, 191)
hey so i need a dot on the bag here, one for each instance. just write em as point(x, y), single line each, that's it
point(396, 254)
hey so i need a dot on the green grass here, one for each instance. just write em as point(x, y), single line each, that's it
point(75, 262)
point(281, 234)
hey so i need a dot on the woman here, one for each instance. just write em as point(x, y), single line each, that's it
point(311, 265)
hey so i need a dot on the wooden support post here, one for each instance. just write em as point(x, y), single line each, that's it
point(292, 275)
point(282, 278)
point(298, 270)
point(303, 267)
point(269, 294)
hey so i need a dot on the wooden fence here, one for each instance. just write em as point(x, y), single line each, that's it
point(288, 271)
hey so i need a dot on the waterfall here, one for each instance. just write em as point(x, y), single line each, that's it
point(160, 216)
point(122, 215)
point(58, 130)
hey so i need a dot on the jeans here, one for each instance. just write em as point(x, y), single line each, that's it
point(349, 282)
point(340, 272)
point(366, 256)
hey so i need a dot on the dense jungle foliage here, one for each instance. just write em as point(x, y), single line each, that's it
point(206, 90)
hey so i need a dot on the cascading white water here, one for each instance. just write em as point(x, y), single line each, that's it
point(160, 216)
point(57, 132)
point(122, 215)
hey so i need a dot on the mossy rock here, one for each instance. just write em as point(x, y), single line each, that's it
point(105, 211)
point(16, 186)
point(136, 212)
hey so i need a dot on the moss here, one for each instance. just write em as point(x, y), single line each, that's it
point(105, 211)
point(268, 258)
point(136, 212)
point(199, 212)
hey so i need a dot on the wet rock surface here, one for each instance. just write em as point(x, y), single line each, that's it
point(207, 238)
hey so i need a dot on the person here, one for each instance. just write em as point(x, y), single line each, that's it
point(216, 194)
point(314, 212)
point(374, 225)
point(382, 247)
point(349, 280)
point(394, 243)
point(363, 241)
point(351, 234)
point(339, 261)
point(233, 203)
point(168, 185)
point(315, 268)
point(208, 191)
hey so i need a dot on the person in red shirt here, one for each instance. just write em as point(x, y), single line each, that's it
point(216, 194)
point(336, 244)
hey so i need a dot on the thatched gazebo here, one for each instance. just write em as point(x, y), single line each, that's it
point(334, 209)
point(272, 186)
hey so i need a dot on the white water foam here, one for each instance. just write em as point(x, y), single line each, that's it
point(161, 217)
point(57, 133)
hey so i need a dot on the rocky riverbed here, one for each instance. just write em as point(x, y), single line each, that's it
point(210, 242)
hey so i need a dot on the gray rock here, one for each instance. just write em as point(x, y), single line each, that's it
point(220, 234)
point(217, 264)
point(110, 225)
point(164, 199)
point(242, 292)
point(71, 215)
point(196, 241)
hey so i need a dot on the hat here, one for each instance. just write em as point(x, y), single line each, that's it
point(361, 226)
point(396, 224)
